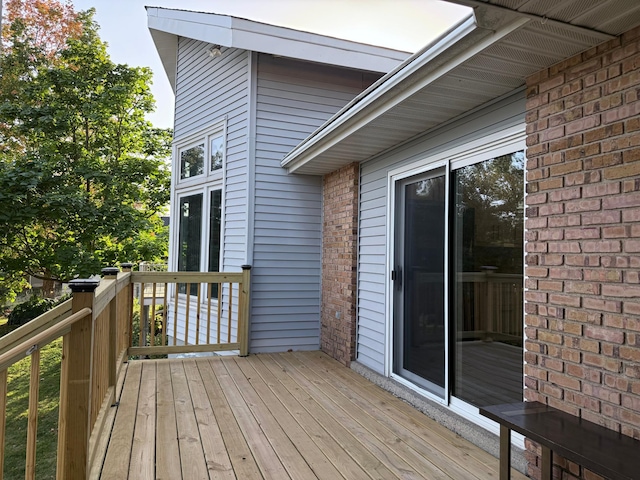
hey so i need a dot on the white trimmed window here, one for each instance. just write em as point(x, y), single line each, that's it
point(197, 201)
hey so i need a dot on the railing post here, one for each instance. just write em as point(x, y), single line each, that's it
point(111, 273)
point(243, 317)
point(127, 268)
point(78, 375)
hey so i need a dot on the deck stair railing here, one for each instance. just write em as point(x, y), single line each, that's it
point(96, 328)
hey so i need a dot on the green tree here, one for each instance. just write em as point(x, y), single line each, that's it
point(83, 183)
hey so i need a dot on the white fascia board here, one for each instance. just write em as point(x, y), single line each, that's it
point(248, 35)
point(313, 47)
point(211, 33)
point(458, 45)
point(317, 53)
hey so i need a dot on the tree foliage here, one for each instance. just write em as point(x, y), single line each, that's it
point(83, 174)
point(489, 198)
point(44, 24)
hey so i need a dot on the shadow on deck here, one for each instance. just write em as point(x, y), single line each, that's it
point(275, 416)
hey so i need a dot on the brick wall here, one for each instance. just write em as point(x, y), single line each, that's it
point(339, 263)
point(582, 340)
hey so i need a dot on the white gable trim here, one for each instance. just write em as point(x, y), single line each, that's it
point(168, 24)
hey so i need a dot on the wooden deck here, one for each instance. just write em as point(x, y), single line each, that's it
point(276, 416)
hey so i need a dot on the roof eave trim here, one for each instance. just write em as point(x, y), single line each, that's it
point(379, 98)
point(233, 32)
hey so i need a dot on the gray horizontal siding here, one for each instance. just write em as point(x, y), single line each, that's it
point(372, 248)
point(209, 90)
point(293, 99)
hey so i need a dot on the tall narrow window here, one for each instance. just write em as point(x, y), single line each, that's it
point(198, 199)
point(215, 217)
point(189, 237)
point(487, 280)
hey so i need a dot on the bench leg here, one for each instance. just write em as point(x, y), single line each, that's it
point(505, 453)
point(546, 469)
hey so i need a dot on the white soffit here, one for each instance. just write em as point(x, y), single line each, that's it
point(507, 41)
point(166, 25)
point(612, 17)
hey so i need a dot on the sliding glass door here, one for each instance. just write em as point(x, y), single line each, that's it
point(458, 280)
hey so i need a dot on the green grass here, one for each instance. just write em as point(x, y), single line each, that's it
point(17, 410)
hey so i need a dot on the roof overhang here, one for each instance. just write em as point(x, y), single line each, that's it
point(485, 57)
point(166, 25)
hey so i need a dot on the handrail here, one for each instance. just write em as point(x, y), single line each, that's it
point(23, 349)
point(185, 277)
point(41, 323)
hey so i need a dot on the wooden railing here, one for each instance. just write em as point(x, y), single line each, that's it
point(492, 304)
point(96, 328)
point(195, 312)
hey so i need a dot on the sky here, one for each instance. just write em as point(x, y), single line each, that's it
point(406, 25)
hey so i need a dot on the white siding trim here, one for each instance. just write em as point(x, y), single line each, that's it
point(251, 147)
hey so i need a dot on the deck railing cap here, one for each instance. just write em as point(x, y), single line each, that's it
point(110, 271)
point(80, 285)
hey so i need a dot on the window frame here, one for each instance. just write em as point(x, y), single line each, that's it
point(204, 184)
point(205, 136)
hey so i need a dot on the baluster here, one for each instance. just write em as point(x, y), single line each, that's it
point(208, 312)
point(3, 417)
point(32, 421)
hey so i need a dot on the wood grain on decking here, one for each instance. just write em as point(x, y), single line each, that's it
point(276, 416)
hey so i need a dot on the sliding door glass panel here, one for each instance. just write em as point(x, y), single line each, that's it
point(487, 280)
point(423, 330)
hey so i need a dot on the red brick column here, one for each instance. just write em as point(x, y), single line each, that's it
point(582, 340)
point(339, 263)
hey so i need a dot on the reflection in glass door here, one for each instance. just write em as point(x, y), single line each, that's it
point(487, 288)
point(419, 283)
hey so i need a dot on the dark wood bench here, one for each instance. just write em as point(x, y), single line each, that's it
point(601, 450)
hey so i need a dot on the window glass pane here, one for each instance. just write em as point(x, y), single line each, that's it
point(487, 278)
point(214, 236)
point(189, 239)
point(217, 153)
point(192, 161)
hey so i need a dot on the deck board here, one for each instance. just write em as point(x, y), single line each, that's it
point(215, 453)
point(144, 435)
point(336, 454)
point(283, 446)
point(189, 441)
point(276, 416)
point(116, 464)
point(322, 468)
point(167, 448)
point(244, 465)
